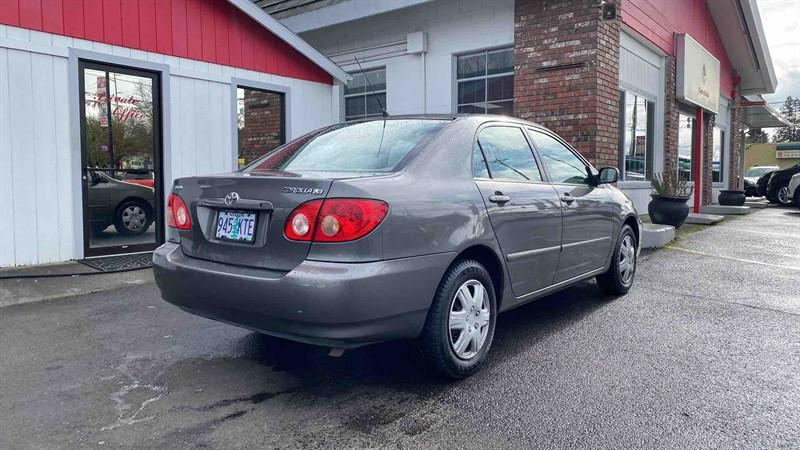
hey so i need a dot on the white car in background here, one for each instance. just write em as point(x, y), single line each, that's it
point(794, 189)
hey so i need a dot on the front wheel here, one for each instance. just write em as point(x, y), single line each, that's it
point(618, 279)
point(783, 195)
point(460, 326)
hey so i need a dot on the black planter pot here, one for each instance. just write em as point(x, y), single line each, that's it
point(668, 210)
point(731, 198)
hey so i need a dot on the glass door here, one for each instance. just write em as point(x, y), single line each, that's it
point(120, 159)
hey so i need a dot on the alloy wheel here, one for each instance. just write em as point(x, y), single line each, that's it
point(783, 195)
point(627, 260)
point(469, 316)
point(134, 218)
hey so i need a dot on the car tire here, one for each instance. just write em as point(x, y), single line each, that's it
point(133, 217)
point(443, 337)
point(782, 195)
point(618, 279)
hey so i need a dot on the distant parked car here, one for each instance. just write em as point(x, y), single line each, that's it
point(794, 189)
point(778, 185)
point(756, 172)
point(127, 205)
point(409, 227)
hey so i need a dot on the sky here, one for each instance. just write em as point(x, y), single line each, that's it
point(781, 19)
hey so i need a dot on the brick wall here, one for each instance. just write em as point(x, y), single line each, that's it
point(736, 154)
point(670, 119)
point(567, 73)
point(263, 127)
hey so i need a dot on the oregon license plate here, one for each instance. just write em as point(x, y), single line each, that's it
point(237, 226)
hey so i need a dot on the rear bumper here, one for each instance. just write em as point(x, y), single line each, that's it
point(332, 304)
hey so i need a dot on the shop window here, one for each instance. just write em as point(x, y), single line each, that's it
point(260, 123)
point(486, 82)
point(365, 94)
point(685, 146)
point(718, 158)
point(636, 137)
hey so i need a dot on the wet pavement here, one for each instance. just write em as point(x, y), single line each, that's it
point(703, 352)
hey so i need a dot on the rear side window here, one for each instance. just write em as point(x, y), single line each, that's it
point(507, 154)
point(563, 165)
point(374, 146)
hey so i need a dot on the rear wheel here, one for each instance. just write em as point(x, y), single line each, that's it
point(133, 217)
point(460, 326)
point(619, 277)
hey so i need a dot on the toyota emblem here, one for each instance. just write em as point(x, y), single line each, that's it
point(231, 198)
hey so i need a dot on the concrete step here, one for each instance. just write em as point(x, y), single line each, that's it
point(757, 204)
point(657, 236)
point(704, 219)
point(727, 210)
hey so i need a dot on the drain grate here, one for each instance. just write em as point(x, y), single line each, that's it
point(120, 262)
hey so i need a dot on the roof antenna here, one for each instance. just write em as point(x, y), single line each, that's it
point(383, 110)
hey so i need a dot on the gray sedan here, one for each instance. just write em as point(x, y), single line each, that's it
point(421, 227)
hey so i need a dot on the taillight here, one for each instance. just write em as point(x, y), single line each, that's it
point(335, 219)
point(300, 224)
point(177, 213)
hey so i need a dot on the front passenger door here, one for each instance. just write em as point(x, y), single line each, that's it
point(587, 211)
point(523, 209)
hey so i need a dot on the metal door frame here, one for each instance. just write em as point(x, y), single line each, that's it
point(158, 155)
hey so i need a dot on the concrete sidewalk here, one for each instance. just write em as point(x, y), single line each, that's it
point(52, 281)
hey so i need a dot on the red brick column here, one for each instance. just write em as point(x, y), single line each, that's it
point(736, 153)
point(567, 73)
point(670, 119)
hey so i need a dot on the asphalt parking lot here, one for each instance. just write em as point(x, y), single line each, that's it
point(703, 352)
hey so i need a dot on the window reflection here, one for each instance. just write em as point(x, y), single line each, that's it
point(717, 159)
point(260, 123)
point(563, 165)
point(508, 154)
point(636, 143)
point(685, 147)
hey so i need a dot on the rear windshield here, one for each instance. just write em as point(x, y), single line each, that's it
point(374, 146)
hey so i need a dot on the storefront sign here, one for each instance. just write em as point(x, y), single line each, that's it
point(697, 78)
point(787, 154)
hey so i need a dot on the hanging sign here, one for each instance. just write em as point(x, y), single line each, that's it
point(697, 74)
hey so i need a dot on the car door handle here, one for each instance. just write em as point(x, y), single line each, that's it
point(568, 199)
point(499, 198)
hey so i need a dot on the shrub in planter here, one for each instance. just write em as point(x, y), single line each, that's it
point(668, 205)
point(731, 198)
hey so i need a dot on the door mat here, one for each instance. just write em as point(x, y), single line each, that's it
point(118, 263)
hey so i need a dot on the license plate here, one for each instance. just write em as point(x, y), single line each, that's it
point(236, 226)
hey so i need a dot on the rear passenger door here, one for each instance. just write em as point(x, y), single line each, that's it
point(587, 211)
point(523, 209)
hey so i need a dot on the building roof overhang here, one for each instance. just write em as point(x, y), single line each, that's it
point(756, 113)
point(293, 40)
point(742, 32)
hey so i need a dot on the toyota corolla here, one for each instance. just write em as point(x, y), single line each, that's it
point(418, 228)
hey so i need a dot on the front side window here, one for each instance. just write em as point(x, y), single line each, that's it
point(507, 154)
point(563, 165)
point(685, 147)
point(486, 82)
point(364, 95)
point(636, 137)
point(718, 155)
point(374, 146)
point(259, 123)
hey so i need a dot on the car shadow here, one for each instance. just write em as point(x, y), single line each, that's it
point(399, 363)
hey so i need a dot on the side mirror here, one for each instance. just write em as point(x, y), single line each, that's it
point(608, 175)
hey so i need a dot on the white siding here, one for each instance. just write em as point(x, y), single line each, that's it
point(453, 27)
point(39, 186)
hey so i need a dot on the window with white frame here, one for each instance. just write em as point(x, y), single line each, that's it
point(636, 122)
point(486, 82)
point(364, 94)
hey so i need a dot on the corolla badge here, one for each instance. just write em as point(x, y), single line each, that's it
point(302, 190)
point(231, 198)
